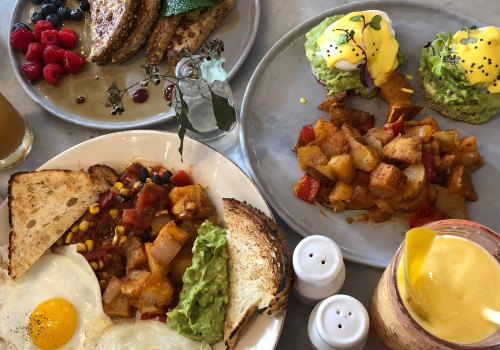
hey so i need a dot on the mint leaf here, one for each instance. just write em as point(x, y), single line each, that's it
point(225, 115)
point(375, 22)
point(342, 39)
point(356, 18)
point(173, 7)
point(183, 121)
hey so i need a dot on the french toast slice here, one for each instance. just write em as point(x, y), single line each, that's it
point(111, 24)
point(260, 267)
point(146, 18)
point(44, 204)
point(161, 36)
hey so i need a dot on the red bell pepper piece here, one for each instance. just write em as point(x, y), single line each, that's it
point(181, 179)
point(367, 125)
point(428, 162)
point(136, 218)
point(307, 188)
point(308, 134)
point(423, 216)
point(395, 127)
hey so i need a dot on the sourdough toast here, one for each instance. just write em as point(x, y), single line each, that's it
point(44, 204)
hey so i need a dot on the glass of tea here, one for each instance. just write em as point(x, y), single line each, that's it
point(16, 136)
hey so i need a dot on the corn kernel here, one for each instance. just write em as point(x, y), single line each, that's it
point(137, 184)
point(94, 265)
point(69, 237)
point(407, 90)
point(118, 185)
point(115, 240)
point(59, 242)
point(119, 230)
point(84, 225)
point(101, 264)
point(105, 275)
point(303, 100)
point(103, 284)
point(124, 191)
point(81, 248)
point(94, 209)
point(409, 77)
point(74, 228)
point(123, 239)
point(89, 244)
point(148, 180)
point(113, 212)
point(91, 224)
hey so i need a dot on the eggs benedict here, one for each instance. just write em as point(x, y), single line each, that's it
point(460, 74)
point(357, 51)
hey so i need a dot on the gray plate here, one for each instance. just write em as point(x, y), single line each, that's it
point(237, 30)
point(272, 117)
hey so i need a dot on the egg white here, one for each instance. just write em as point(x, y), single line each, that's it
point(345, 64)
point(65, 274)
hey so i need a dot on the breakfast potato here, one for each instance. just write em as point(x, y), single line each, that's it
point(180, 263)
point(311, 156)
point(342, 192)
point(404, 149)
point(172, 232)
point(340, 115)
point(156, 294)
point(333, 99)
point(418, 200)
point(423, 132)
point(159, 222)
point(206, 209)
point(154, 264)
point(332, 145)
point(451, 204)
point(319, 176)
point(446, 140)
point(134, 254)
point(381, 134)
point(326, 171)
point(386, 181)
point(472, 161)
point(134, 281)
point(431, 147)
point(468, 144)
point(444, 165)
point(343, 167)
point(361, 199)
point(415, 180)
point(350, 132)
point(402, 108)
point(322, 197)
point(364, 158)
point(431, 122)
point(116, 303)
point(456, 136)
point(189, 201)
point(374, 143)
point(324, 128)
point(300, 143)
point(384, 205)
point(391, 91)
point(460, 183)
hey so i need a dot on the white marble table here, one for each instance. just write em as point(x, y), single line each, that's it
point(52, 135)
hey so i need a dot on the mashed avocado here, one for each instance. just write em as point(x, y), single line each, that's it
point(204, 296)
point(335, 79)
point(447, 85)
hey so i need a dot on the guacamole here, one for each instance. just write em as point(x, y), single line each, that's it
point(447, 86)
point(335, 79)
point(204, 296)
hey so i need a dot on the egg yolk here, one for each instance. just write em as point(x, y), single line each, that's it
point(380, 46)
point(480, 60)
point(52, 324)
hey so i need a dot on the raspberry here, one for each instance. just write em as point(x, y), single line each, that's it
point(73, 62)
point(67, 39)
point(53, 54)
point(53, 72)
point(40, 27)
point(50, 37)
point(21, 38)
point(35, 52)
point(32, 70)
point(68, 30)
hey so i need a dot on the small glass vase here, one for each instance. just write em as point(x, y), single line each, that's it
point(197, 96)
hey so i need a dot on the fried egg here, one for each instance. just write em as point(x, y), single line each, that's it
point(380, 46)
point(52, 305)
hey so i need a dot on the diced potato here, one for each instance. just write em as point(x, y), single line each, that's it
point(159, 222)
point(460, 183)
point(188, 201)
point(119, 305)
point(340, 115)
point(311, 156)
point(431, 122)
point(338, 99)
point(431, 193)
point(180, 263)
point(174, 233)
point(300, 143)
point(378, 215)
point(134, 281)
point(384, 136)
point(374, 143)
point(472, 161)
point(404, 149)
point(468, 144)
point(327, 171)
point(423, 132)
point(361, 198)
point(391, 91)
point(384, 205)
point(318, 176)
point(451, 204)
point(456, 136)
point(134, 254)
point(364, 158)
point(154, 264)
point(323, 194)
point(332, 145)
point(415, 180)
point(343, 167)
point(402, 108)
point(431, 147)
point(156, 294)
point(445, 164)
point(446, 140)
point(350, 132)
point(341, 192)
point(417, 201)
point(386, 181)
point(206, 209)
point(324, 128)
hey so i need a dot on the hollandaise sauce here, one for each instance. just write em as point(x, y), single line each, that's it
point(480, 58)
point(378, 47)
point(458, 280)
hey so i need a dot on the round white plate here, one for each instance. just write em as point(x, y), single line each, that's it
point(211, 169)
point(237, 31)
point(272, 117)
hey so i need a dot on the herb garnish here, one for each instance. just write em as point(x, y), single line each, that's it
point(173, 7)
point(469, 39)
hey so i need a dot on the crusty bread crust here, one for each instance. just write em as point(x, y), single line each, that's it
point(260, 267)
point(44, 204)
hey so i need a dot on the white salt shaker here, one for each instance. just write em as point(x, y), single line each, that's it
point(338, 323)
point(319, 269)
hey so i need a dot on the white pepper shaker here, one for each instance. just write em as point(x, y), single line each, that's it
point(338, 323)
point(319, 269)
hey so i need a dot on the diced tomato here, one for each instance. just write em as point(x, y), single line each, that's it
point(106, 199)
point(181, 179)
point(423, 216)
point(99, 253)
point(152, 196)
point(125, 205)
point(88, 217)
point(163, 318)
point(308, 134)
point(367, 125)
point(307, 188)
point(131, 176)
point(428, 162)
point(395, 127)
point(136, 218)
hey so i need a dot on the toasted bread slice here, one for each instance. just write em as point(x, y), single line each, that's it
point(148, 14)
point(192, 32)
point(160, 38)
point(260, 267)
point(111, 24)
point(44, 204)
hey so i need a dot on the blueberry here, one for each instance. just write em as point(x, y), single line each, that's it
point(85, 5)
point(64, 13)
point(37, 16)
point(166, 176)
point(48, 9)
point(36, 2)
point(58, 3)
point(54, 19)
point(47, 1)
point(20, 25)
point(158, 180)
point(143, 174)
point(76, 15)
